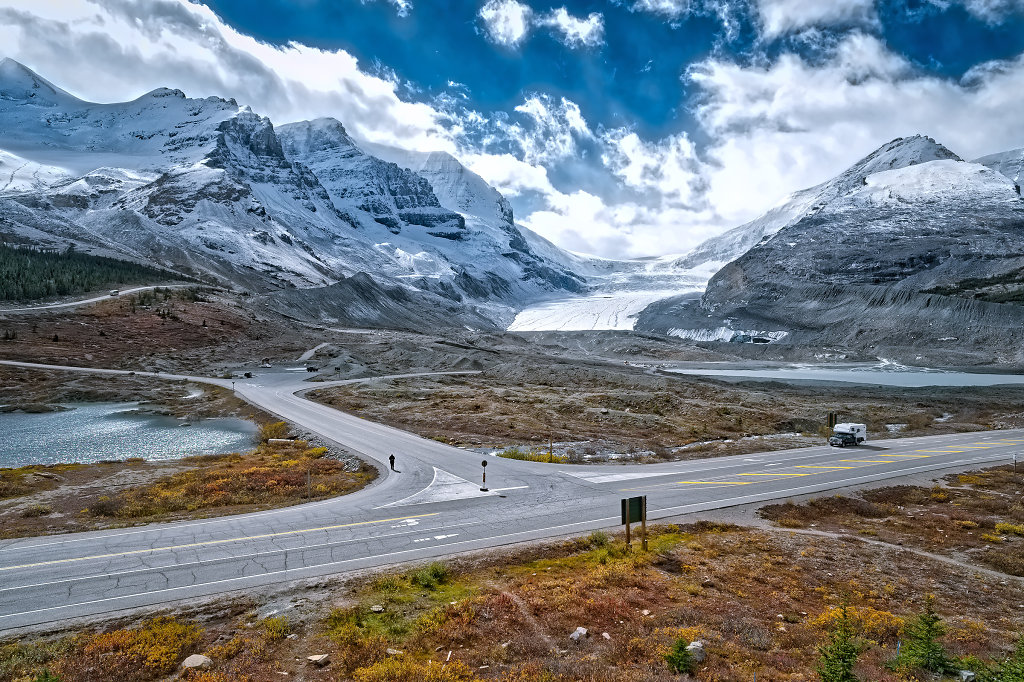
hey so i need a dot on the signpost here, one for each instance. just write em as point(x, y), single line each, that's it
point(483, 488)
point(635, 509)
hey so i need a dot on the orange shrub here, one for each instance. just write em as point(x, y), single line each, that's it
point(144, 653)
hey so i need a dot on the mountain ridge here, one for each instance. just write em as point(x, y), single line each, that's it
point(215, 189)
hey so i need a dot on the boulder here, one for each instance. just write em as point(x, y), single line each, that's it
point(395, 652)
point(579, 634)
point(319, 660)
point(967, 676)
point(377, 608)
point(697, 652)
point(197, 661)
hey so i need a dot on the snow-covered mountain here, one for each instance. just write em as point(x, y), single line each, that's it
point(899, 153)
point(210, 188)
point(911, 254)
point(1010, 164)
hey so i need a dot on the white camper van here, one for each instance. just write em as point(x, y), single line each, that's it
point(848, 434)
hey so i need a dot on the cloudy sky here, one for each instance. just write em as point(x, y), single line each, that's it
point(616, 127)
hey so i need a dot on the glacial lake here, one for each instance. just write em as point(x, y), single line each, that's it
point(883, 374)
point(95, 431)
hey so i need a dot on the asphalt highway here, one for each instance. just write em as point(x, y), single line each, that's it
point(431, 507)
point(89, 301)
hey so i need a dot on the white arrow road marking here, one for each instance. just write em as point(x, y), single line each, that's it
point(407, 522)
point(437, 537)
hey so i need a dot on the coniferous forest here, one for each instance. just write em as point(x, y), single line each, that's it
point(29, 274)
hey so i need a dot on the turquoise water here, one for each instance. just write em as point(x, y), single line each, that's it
point(96, 431)
point(884, 374)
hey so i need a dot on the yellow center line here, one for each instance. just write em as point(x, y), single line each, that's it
point(945, 452)
point(914, 456)
point(778, 474)
point(976, 447)
point(212, 542)
point(831, 466)
point(714, 482)
point(870, 461)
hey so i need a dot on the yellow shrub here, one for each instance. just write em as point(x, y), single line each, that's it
point(1010, 528)
point(404, 669)
point(156, 648)
point(989, 537)
point(965, 524)
point(880, 626)
point(276, 628)
point(273, 430)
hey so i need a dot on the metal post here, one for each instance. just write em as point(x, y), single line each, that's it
point(627, 526)
point(643, 523)
point(483, 487)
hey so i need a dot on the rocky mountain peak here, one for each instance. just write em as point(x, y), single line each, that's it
point(318, 135)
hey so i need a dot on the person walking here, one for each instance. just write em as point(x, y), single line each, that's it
point(392, 460)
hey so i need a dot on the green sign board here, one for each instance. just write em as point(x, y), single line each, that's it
point(635, 509)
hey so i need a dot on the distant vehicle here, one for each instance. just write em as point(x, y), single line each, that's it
point(114, 292)
point(312, 369)
point(248, 375)
point(848, 434)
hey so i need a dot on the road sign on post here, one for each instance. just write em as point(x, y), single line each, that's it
point(483, 488)
point(635, 509)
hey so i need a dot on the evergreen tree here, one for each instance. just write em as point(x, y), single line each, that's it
point(840, 654)
point(680, 660)
point(922, 648)
point(27, 273)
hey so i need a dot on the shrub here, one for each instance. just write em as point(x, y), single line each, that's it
point(1010, 670)
point(431, 575)
point(36, 510)
point(273, 430)
point(144, 653)
point(598, 539)
point(276, 628)
point(355, 648)
point(1010, 528)
point(545, 457)
point(404, 669)
point(387, 583)
point(679, 659)
point(876, 625)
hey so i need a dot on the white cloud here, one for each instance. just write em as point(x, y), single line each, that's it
point(507, 22)
point(669, 8)
point(792, 124)
point(779, 17)
point(576, 32)
point(510, 174)
point(668, 169)
point(553, 130)
point(115, 50)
